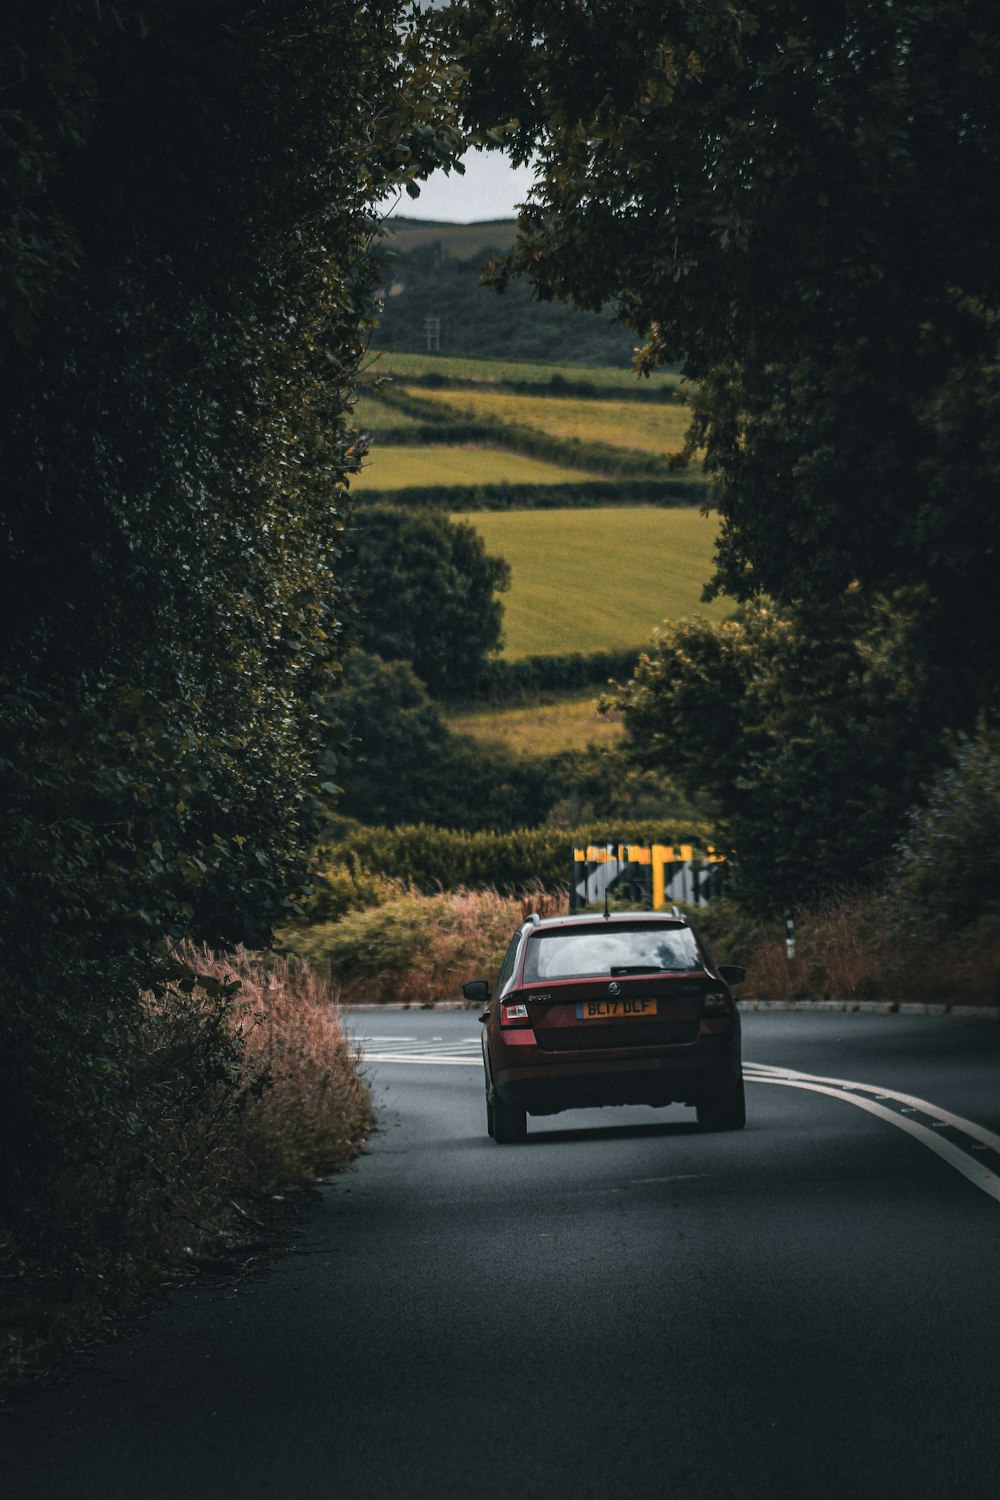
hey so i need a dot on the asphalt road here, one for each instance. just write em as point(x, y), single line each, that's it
point(620, 1307)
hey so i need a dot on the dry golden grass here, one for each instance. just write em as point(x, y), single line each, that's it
point(281, 1100)
point(226, 1095)
point(313, 1104)
point(853, 949)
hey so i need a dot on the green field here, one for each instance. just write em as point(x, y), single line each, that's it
point(496, 371)
point(541, 730)
point(436, 467)
point(647, 427)
point(594, 580)
point(370, 413)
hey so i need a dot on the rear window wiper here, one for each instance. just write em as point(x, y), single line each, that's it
point(649, 969)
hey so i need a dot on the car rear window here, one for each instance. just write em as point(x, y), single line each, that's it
point(589, 951)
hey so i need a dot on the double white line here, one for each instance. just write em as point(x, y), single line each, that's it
point(958, 1153)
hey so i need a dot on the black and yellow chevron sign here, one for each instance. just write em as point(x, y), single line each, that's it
point(651, 875)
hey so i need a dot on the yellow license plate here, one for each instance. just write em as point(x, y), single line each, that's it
point(614, 1010)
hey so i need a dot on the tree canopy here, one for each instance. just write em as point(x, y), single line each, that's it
point(796, 203)
point(425, 590)
point(812, 744)
point(396, 760)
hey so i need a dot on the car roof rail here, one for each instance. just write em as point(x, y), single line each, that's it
point(533, 918)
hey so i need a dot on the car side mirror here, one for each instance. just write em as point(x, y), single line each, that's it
point(476, 990)
point(733, 973)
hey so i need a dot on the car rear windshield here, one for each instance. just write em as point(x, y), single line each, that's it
point(588, 951)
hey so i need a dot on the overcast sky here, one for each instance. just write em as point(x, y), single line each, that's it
point(490, 189)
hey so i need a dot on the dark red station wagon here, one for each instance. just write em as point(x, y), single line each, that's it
point(622, 1009)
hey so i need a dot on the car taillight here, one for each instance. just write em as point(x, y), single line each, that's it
point(716, 1004)
point(513, 1013)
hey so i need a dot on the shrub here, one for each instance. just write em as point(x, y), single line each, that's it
point(503, 682)
point(339, 889)
point(244, 1081)
point(850, 947)
point(948, 866)
point(398, 759)
point(309, 1104)
point(418, 949)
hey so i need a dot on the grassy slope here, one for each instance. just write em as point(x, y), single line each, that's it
point(589, 580)
point(496, 371)
point(625, 424)
point(369, 412)
point(543, 729)
point(394, 468)
point(460, 240)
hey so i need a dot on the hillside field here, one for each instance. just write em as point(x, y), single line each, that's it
point(527, 372)
point(456, 240)
point(593, 580)
point(648, 427)
point(369, 412)
point(433, 467)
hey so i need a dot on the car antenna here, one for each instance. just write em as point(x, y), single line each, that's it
point(607, 882)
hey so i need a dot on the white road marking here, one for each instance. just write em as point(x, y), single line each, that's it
point(959, 1122)
point(466, 1053)
point(838, 1088)
point(392, 1037)
point(432, 1061)
point(410, 1050)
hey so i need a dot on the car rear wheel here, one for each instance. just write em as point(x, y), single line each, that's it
point(725, 1109)
point(489, 1117)
point(510, 1125)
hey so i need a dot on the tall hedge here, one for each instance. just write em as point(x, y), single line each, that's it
point(185, 280)
point(581, 494)
point(432, 858)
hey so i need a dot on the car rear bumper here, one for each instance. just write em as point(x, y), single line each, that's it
point(683, 1075)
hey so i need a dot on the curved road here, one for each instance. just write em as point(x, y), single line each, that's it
point(620, 1307)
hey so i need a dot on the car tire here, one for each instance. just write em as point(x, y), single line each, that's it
point(489, 1117)
point(726, 1109)
point(510, 1125)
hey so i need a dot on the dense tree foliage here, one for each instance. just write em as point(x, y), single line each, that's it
point(185, 284)
point(425, 588)
point(812, 745)
point(948, 871)
point(397, 761)
point(797, 203)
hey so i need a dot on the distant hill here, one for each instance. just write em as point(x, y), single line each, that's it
point(457, 240)
point(433, 272)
